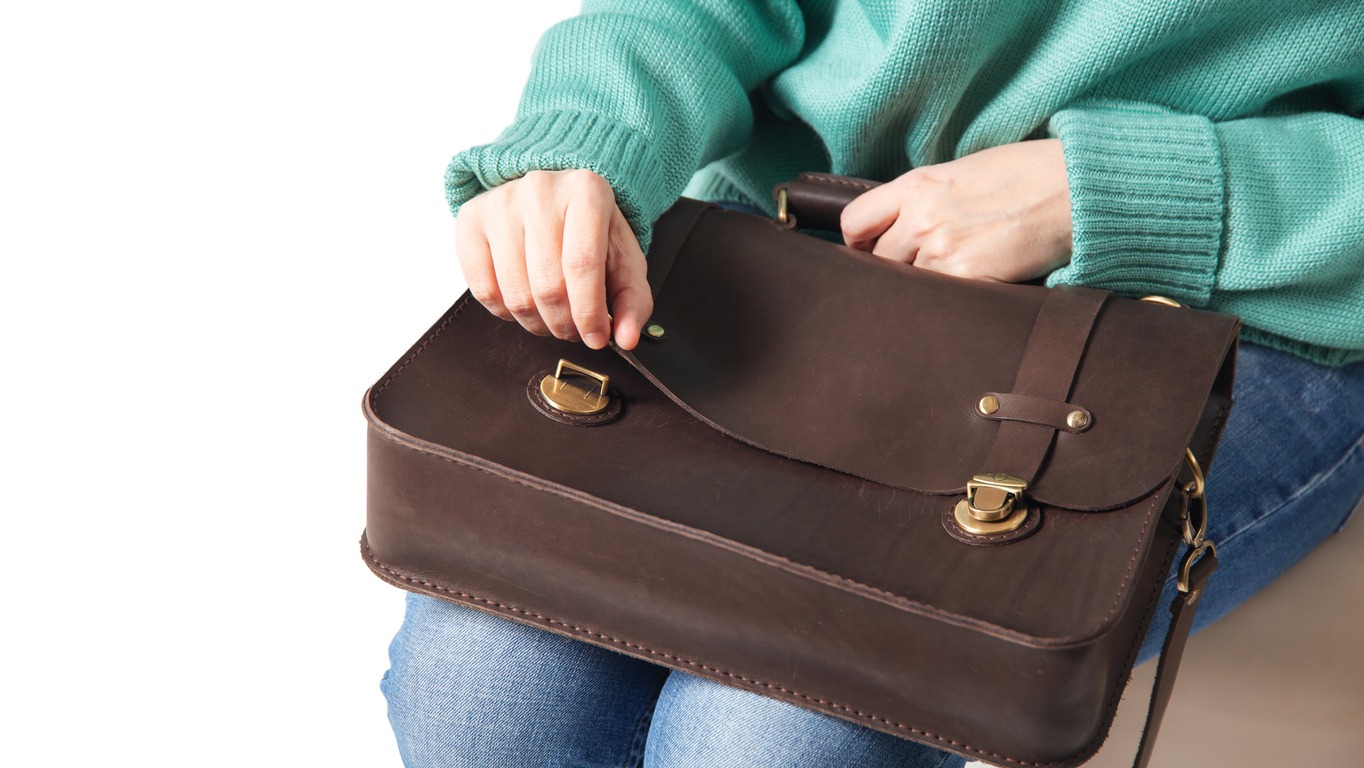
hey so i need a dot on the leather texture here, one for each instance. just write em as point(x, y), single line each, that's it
point(767, 508)
point(1172, 652)
point(816, 200)
point(1038, 410)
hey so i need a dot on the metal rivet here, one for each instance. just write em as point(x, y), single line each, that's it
point(1077, 419)
point(988, 404)
point(655, 331)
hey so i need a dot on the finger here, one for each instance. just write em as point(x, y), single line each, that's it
point(508, 246)
point(627, 282)
point(870, 214)
point(476, 262)
point(545, 270)
point(587, 231)
point(899, 243)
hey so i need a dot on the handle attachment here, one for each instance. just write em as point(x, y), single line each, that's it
point(816, 200)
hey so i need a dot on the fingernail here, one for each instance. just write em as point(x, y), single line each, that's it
point(595, 340)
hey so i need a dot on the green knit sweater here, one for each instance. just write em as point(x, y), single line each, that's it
point(1214, 148)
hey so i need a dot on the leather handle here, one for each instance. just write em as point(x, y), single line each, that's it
point(816, 200)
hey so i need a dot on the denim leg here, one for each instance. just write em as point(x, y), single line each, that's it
point(1288, 473)
point(700, 723)
point(469, 688)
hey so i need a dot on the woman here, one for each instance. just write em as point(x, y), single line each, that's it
point(1204, 150)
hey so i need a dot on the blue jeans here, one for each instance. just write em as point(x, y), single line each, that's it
point(470, 688)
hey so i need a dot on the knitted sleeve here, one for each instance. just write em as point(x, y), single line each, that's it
point(643, 92)
point(1261, 217)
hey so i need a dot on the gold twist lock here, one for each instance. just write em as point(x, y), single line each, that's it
point(570, 396)
point(994, 504)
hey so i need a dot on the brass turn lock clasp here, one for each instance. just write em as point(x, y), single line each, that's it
point(994, 504)
point(992, 497)
point(572, 397)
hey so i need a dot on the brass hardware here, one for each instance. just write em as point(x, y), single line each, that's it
point(991, 497)
point(1196, 536)
point(783, 214)
point(1198, 484)
point(1077, 419)
point(988, 404)
point(1191, 497)
point(572, 397)
point(1193, 534)
point(1162, 300)
point(655, 331)
point(967, 519)
point(1194, 555)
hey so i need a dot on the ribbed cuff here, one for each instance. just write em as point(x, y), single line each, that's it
point(557, 141)
point(1328, 356)
point(1147, 200)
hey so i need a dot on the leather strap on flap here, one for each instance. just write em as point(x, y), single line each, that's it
point(1181, 621)
point(1012, 406)
point(1058, 339)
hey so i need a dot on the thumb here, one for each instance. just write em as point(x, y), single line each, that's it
point(627, 284)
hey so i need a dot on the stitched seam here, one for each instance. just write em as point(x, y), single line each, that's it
point(1135, 646)
point(819, 179)
point(950, 518)
point(1214, 433)
point(1132, 562)
point(830, 578)
point(962, 746)
point(419, 350)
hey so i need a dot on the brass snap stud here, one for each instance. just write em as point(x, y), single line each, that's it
point(988, 404)
point(655, 331)
point(1077, 419)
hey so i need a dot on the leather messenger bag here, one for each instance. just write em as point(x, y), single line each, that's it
point(937, 507)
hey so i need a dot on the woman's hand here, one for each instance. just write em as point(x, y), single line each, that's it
point(1000, 214)
point(549, 250)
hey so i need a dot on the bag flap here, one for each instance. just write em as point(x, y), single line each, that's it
point(872, 367)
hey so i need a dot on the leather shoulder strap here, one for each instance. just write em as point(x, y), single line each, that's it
point(1181, 621)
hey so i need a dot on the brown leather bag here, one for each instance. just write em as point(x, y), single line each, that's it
point(937, 507)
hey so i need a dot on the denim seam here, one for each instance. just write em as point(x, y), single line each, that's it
point(634, 756)
point(1311, 485)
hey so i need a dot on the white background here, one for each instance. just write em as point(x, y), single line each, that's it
point(219, 223)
